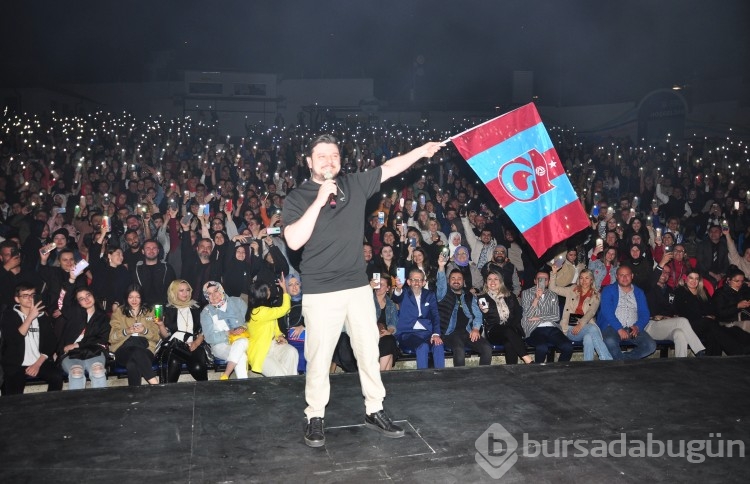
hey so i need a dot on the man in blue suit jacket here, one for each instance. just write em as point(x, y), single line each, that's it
point(623, 316)
point(418, 325)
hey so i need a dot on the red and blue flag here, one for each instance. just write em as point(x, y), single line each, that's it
point(514, 157)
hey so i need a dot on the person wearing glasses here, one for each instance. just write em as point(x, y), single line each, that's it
point(503, 266)
point(28, 344)
point(84, 340)
point(418, 326)
point(679, 264)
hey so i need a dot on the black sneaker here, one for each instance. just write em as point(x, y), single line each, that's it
point(314, 435)
point(381, 422)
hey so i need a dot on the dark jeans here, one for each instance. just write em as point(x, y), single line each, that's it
point(15, 378)
point(502, 334)
point(459, 340)
point(138, 361)
point(644, 345)
point(542, 338)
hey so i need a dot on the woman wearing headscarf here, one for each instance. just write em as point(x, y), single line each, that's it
point(182, 320)
point(455, 239)
point(472, 276)
point(241, 266)
point(222, 245)
point(293, 324)
point(223, 324)
point(268, 352)
point(133, 337)
point(641, 266)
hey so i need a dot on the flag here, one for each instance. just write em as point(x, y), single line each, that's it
point(514, 157)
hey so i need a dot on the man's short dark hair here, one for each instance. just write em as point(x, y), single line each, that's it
point(9, 244)
point(455, 271)
point(23, 286)
point(323, 138)
point(158, 245)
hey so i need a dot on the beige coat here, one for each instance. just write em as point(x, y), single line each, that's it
point(119, 323)
point(590, 306)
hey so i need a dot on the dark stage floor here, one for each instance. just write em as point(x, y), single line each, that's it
point(251, 431)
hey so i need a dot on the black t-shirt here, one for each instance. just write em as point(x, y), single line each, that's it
point(332, 259)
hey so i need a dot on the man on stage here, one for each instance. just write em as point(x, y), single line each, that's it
point(325, 216)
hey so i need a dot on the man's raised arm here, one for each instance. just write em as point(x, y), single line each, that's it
point(396, 165)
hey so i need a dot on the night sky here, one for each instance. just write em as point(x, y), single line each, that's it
point(580, 51)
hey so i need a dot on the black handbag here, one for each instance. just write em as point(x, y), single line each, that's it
point(573, 319)
point(86, 352)
point(173, 347)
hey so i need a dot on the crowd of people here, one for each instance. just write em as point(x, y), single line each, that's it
point(163, 240)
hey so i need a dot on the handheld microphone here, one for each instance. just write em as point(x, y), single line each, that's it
point(332, 197)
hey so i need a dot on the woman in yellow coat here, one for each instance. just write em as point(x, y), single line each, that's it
point(268, 352)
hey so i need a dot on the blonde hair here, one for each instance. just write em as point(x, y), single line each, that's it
point(502, 291)
point(595, 291)
point(701, 289)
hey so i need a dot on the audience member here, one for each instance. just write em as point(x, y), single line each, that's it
point(460, 319)
point(268, 352)
point(28, 344)
point(223, 324)
point(133, 337)
point(181, 325)
point(418, 327)
point(83, 346)
point(623, 316)
point(502, 319)
point(578, 321)
point(663, 322)
point(541, 321)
